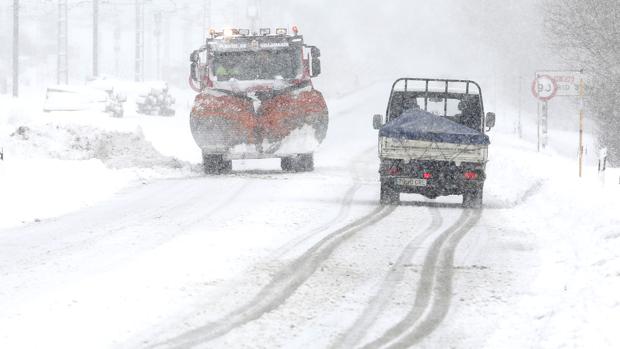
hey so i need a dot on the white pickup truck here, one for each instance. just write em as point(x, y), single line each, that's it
point(433, 140)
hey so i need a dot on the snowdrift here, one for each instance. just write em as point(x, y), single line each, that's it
point(76, 142)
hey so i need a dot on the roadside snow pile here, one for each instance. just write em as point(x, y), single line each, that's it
point(573, 296)
point(551, 245)
point(512, 175)
point(53, 166)
point(74, 142)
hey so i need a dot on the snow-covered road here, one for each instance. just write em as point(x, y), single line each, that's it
point(263, 259)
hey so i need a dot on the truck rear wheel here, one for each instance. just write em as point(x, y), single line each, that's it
point(216, 164)
point(388, 195)
point(473, 198)
point(299, 163)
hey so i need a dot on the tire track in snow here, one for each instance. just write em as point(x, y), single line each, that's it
point(102, 230)
point(392, 280)
point(527, 194)
point(434, 291)
point(281, 287)
point(343, 212)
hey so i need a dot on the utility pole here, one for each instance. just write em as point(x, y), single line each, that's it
point(95, 38)
point(157, 33)
point(139, 68)
point(206, 18)
point(62, 67)
point(15, 48)
point(117, 46)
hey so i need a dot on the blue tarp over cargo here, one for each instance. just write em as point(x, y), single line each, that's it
point(419, 125)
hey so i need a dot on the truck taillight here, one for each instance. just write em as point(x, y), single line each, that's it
point(427, 175)
point(470, 175)
point(392, 171)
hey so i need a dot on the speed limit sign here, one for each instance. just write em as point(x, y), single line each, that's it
point(544, 87)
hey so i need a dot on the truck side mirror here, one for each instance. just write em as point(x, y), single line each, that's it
point(316, 67)
point(195, 59)
point(315, 52)
point(490, 121)
point(377, 121)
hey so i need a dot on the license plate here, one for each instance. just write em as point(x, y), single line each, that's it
point(411, 182)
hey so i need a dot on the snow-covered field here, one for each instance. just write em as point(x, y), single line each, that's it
point(111, 237)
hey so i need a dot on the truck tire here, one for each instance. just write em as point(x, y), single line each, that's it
point(299, 163)
point(216, 164)
point(305, 162)
point(286, 164)
point(473, 198)
point(388, 195)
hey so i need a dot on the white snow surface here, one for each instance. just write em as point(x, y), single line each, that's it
point(110, 237)
point(58, 162)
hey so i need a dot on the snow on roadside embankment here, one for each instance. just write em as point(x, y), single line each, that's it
point(53, 165)
point(546, 256)
point(574, 296)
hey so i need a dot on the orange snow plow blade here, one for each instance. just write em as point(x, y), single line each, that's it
point(260, 126)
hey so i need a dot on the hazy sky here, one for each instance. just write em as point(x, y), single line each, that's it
point(361, 41)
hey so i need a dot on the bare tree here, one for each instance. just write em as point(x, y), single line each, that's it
point(586, 33)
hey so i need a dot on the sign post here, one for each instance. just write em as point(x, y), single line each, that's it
point(544, 123)
point(544, 88)
point(563, 84)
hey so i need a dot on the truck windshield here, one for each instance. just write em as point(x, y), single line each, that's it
point(260, 65)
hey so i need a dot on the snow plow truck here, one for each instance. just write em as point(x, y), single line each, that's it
point(433, 141)
point(256, 99)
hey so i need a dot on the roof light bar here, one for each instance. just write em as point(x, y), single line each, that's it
point(228, 32)
point(265, 31)
point(244, 32)
point(281, 31)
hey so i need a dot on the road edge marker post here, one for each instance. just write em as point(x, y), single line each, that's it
point(581, 117)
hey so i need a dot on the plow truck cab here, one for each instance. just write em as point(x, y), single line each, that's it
point(256, 99)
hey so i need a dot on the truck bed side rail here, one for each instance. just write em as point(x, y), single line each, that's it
point(393, 148)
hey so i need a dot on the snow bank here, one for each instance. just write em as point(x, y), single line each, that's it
point(573, 299)
point(550, 244)
point(60, 162)
point(76, 142)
